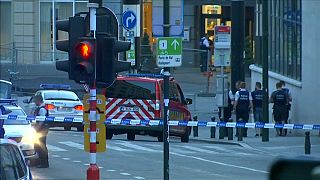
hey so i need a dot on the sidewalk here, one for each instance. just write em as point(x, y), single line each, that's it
point(290, 145)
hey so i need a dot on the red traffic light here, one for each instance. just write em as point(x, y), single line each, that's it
point(84, 49)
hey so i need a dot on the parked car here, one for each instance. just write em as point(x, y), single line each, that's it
point(13, 165)
point(60, 101)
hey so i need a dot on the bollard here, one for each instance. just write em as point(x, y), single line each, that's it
point(307, 145)
point(221, 131)
point(230, 131)
point(195, 128)
point(240, 132)
point(213, 129)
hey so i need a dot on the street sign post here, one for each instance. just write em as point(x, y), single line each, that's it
point(169, 52)
point(222, 46)
point(101, 137)
point(101, 108)
point(131, 28)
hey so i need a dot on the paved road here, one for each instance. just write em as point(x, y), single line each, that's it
point(142, 159)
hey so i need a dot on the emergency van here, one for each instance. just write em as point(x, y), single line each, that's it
point(140, 97)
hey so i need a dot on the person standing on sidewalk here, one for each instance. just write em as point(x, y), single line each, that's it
point(289, 104)
point(257, 97)
point(227, 111)
point(280, 100)
point(242, 106)
point(42, 129)
point(204, 45)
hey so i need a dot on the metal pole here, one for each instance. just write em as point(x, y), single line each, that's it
point(166, 33)
point(93, 169)
point(221, 129)
point(265, 68)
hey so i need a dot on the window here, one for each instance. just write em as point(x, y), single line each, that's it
point(132, 90)
point(285, 38)
point(211, 9)
point(5, 31)
point(60, 95)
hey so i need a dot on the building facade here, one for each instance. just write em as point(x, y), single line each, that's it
point(293, 55)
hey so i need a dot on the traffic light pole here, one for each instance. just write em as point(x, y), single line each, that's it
point(93, 169)
point(166, 33)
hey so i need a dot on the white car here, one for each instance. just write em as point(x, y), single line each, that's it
point(59, 102)
point(13, 165)
point(20, 130)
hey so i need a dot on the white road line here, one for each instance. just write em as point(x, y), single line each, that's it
point(86, 164)
point(55, 155)
point(220, 163)
point(55, 148)
point(111, 170)
point(76, 161)
point(72, 144)
point(138, 177)
point(100, 167)
point(137, 147)
point(228, 151)
point(125, 174)
point(199, 150)
point(180, 151)
point(116, 148)
point(65, 158)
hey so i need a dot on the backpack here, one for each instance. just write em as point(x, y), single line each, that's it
point(202, 46)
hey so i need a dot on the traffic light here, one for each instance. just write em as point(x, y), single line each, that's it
point(83, 60)
point(109, 66)
point(75, 26)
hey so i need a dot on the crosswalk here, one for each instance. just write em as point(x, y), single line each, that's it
point(154, 147)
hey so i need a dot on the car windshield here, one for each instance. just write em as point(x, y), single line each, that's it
point(18, 112)
point(132, 90)
point(61, 95)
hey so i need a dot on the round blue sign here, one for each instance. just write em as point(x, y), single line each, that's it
point(129, 20)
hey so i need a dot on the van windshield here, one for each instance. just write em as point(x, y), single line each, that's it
point(132, 90)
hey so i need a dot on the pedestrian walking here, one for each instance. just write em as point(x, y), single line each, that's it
point(280, 100)
point(204, 45)
point(257, 97)
point(242, 106)
point(289, 104)
point(42, 129)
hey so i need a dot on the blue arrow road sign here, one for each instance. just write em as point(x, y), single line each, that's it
point(129, 20)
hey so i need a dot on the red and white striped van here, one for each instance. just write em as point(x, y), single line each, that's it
point(141, 98)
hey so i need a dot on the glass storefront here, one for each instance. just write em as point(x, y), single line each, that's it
point(6, 30)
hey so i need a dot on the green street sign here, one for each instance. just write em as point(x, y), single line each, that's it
point(169, 52)
point(131, 57)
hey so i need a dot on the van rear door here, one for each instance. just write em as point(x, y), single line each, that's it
point(131, 99)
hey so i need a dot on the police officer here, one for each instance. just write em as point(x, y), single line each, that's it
point(257, 97)
point(289, 104)
point(280, 100)
point(3, 111)
point(42, 129)
point(204, 45)
point(227, 111)
point(242, 106)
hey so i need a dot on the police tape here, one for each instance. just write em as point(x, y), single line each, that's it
point(170, 123)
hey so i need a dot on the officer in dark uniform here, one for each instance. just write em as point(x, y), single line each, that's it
point(227, 111)
point(289, 104)
point(257, 97)
point(242, 106)
point(3, 111)
point(42, 129)
point(280, 100)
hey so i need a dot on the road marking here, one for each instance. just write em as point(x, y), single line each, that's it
point(76, 161)
point(125, 174)
point(65, 158)
point(129, 145)
point(180, 151)
point(228, 151)
point(116, 148)
point(220, 163)
point(55, 155)
point(285, 147)
point(111, 170)
point(55, 148)
point(138, 177)
point(86, 164)
point(72, 144)
point(100, 167)
point(199, 150)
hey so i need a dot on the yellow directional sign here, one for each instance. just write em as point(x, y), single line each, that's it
point(101, 138)
point(101, 108)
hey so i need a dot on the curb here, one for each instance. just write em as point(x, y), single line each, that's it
point(214, 141)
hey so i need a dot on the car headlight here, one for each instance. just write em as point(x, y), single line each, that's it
point(31, 137)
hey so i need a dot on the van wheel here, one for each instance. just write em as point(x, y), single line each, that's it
point(185, 137)
point(109, 134)
point(80, 128)
point(34, 162)
point(160, 137)
point(67, 128)
point(131, 136)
